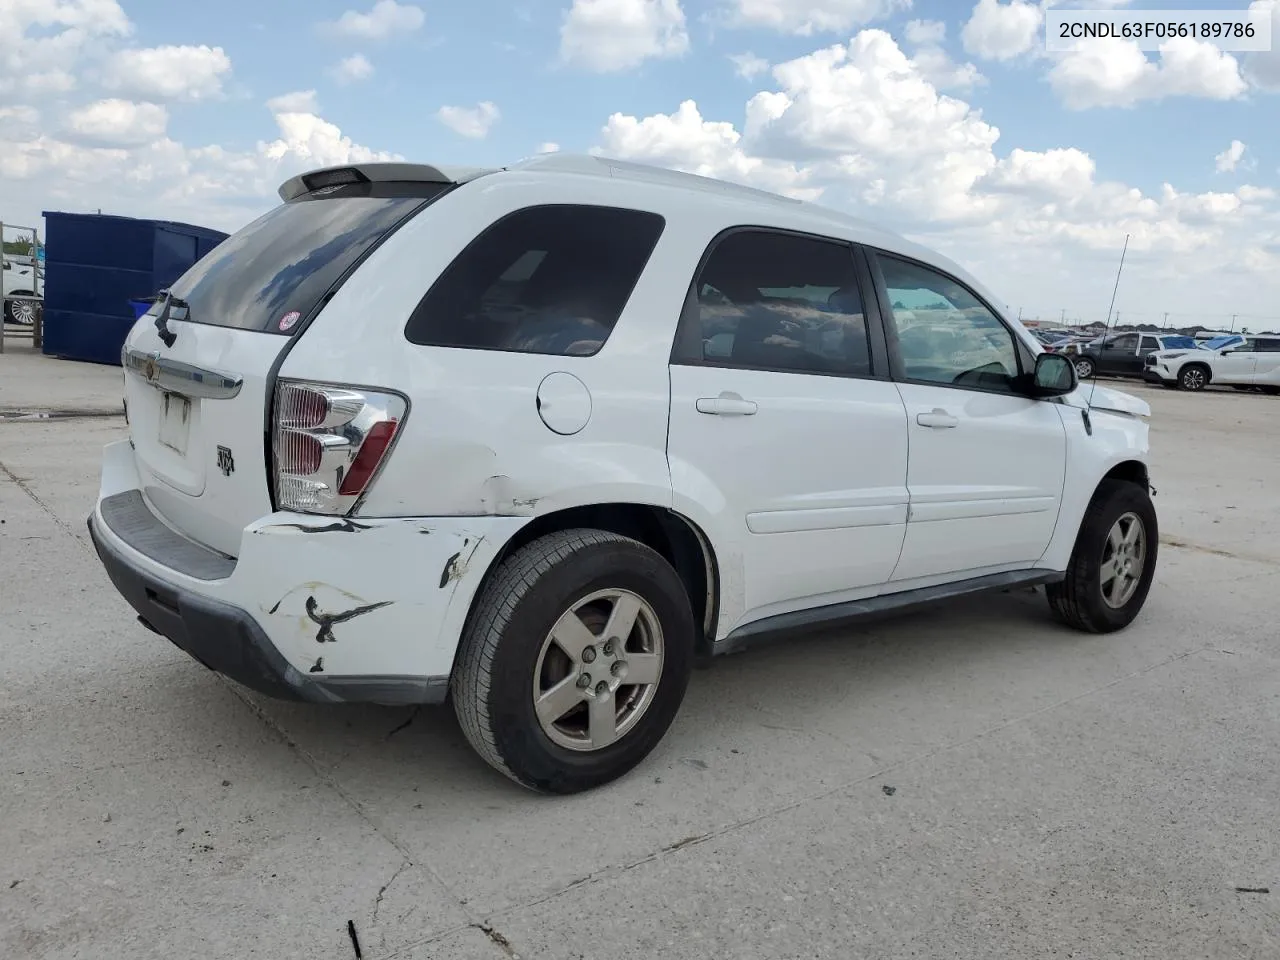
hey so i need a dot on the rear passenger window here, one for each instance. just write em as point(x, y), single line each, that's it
point(774, 301)
point(546, 279)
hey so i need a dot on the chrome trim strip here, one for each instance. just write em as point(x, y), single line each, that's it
point(178, 377)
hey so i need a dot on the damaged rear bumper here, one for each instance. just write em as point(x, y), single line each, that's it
point(226, 639)
point(320, 609)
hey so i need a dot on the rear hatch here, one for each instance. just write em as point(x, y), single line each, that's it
point(197, 405)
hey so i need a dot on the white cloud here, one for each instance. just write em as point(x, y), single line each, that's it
point(352, 69)
point(1053, 173)
point(1263, 68)
point(1251, 194)
point(933, 62)
point(806, 17)
point(1002, 31)
point(384, 20)
point(924, 32)
point(607, 36)
point(305, 136)
point(860, 126)
point(118, 122)
point(1229, 159)
point(471, 122)
point(168, 73)
point(106, 163)
point(41, 39)
point(548, 147)
point(748, 66)
point(299, 101)
point(19, 114)
point(1116, 73)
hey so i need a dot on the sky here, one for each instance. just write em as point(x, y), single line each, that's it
point(948, 121)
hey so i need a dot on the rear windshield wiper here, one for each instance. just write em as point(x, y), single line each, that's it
point(162, 319)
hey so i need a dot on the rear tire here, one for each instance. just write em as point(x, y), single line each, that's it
point(515, 650)
point(1093, 597)
point(1194, 376)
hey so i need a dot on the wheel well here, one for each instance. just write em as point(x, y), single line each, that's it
point(677, 539)
point(1131, 471)
point(1208, 371)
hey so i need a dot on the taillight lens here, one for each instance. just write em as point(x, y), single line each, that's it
point(328, 443)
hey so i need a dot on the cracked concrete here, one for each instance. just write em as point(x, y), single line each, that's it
point(971, 781)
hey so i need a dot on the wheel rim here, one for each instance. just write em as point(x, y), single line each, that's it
point(22, 311)
point(1084, 369)
point(1123, 558)
point(1193, 379)
point(598, 670)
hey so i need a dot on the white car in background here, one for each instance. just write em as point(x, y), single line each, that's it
point(1244, 363)
point(20, 290)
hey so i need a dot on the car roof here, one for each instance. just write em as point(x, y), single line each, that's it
point(748, 205)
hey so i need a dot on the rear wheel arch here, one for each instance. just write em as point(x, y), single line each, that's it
point(675, 537)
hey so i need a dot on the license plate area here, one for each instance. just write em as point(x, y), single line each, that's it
point(175, 421)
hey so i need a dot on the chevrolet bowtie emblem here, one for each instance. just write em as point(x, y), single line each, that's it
point(151, 368)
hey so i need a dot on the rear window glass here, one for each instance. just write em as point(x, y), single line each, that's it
point(288, 259)
point(548, 279)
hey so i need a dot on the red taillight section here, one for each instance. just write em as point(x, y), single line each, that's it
point(299, 453)
point(367, 460)
point(300, 407)
point(328, 442)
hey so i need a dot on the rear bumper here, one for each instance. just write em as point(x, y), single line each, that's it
point(219, 635)
point(319, 609)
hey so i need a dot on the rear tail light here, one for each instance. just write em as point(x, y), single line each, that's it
point(328, 443)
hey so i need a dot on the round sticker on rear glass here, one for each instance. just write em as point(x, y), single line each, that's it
point(289, 319)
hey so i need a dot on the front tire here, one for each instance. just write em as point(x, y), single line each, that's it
point(1194, 376)
point(1084, 368)
point(574, 660)
point(1113, 562)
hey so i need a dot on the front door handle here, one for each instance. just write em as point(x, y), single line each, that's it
point(726, 405)
point(938, 419)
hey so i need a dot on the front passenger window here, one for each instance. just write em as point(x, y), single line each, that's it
point(945, 335)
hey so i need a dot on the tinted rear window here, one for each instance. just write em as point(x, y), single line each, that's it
point(289, 258)
point(548, 279)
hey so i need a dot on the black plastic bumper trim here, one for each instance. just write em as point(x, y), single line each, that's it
point(227, 640)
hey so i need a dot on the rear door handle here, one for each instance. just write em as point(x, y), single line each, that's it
point(727, 405)
point(938, 419)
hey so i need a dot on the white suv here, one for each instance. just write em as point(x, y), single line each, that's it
point(1240, 362)
point(533, 439)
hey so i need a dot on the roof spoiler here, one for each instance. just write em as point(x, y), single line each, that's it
point(313, 180)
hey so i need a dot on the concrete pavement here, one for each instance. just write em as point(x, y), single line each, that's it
point(969, 782)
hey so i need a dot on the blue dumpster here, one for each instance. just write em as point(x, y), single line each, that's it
point(101, 273)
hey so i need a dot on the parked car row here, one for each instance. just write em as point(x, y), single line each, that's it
point(1122, 354)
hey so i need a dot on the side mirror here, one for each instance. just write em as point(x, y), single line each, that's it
point(1054, 376)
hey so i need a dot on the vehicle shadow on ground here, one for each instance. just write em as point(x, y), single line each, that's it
point(814, 684)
